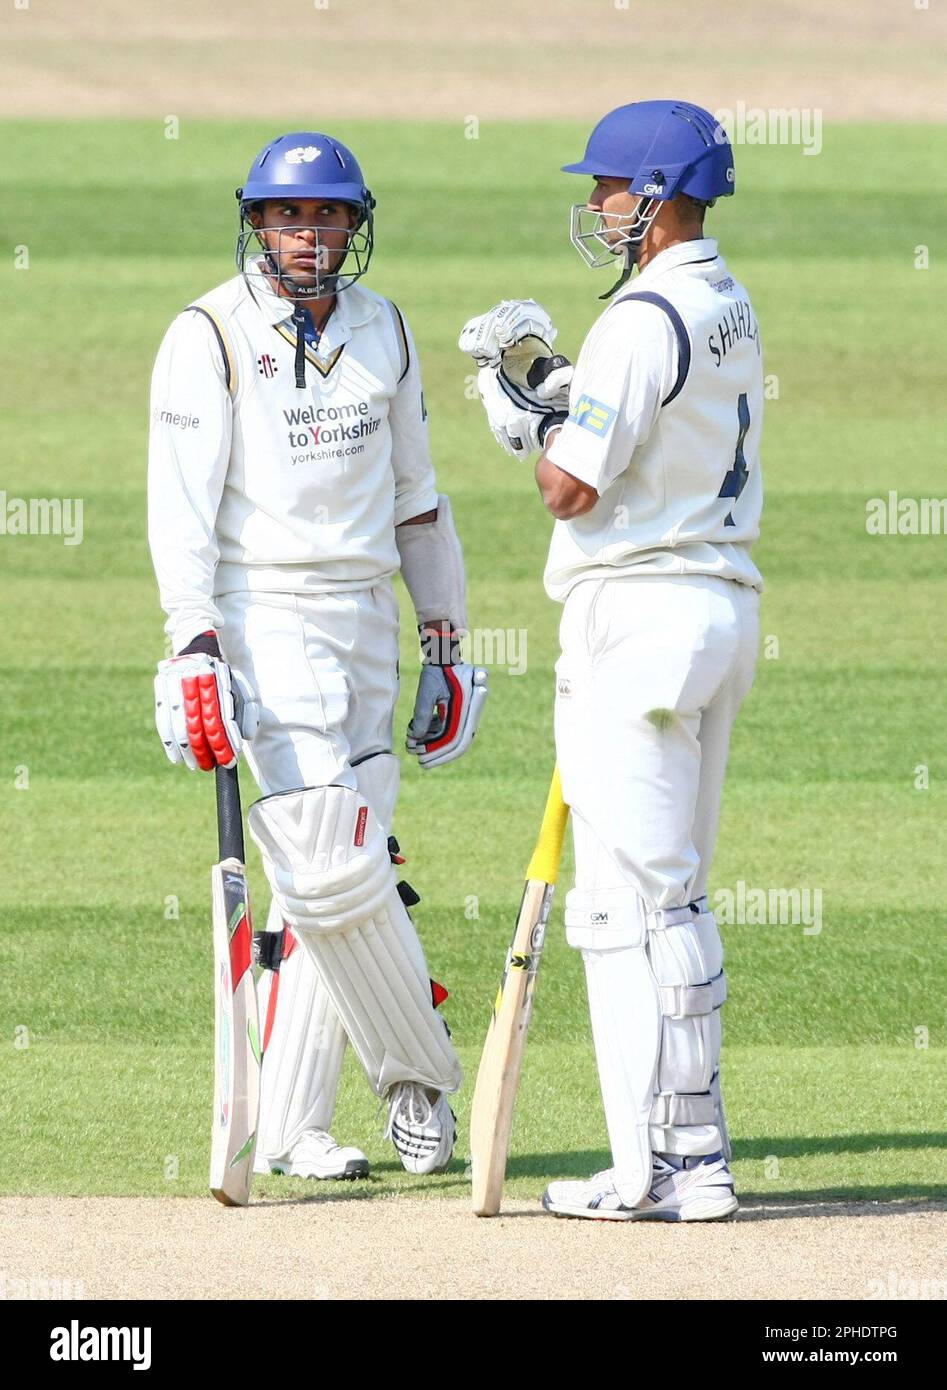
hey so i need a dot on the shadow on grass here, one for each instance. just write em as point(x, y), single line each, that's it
point(801, 1146)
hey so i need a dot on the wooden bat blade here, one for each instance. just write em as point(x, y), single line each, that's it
point(236, 1039)
point(498, 1076)
point(502, 1059)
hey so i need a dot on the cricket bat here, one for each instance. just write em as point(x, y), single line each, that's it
point(502, 1059)
point(236, 1032)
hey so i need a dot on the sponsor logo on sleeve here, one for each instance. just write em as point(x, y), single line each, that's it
point(592, 415)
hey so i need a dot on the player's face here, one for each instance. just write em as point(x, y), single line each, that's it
point(611, 198)
point(307, 238)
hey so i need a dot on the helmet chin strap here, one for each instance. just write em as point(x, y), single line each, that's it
point(631, 249)
point(625, 275)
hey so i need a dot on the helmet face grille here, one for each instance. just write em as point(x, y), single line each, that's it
point(334, 269)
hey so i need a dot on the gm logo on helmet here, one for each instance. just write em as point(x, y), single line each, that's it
point(302, 154)
point(652, 188)
point(730, 174)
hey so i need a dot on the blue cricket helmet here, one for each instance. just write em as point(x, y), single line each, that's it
point(663, 148)
point(306, 165)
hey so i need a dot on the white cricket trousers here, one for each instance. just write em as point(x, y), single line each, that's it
point(325, 670)
point(651, 675)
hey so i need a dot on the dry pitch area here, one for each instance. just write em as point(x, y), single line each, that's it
point(411, 1248)
point(496, 59)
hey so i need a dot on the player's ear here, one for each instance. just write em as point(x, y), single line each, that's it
point(255, 215)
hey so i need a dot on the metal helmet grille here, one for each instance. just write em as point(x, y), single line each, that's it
point(601, 236)
point(334, 270)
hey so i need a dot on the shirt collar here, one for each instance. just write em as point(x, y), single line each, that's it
point(352, 306)
point(684, 253)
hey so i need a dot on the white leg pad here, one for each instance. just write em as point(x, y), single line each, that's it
point(687, 959)
point(655, 986)
point(326, 857)
point(303, 1053)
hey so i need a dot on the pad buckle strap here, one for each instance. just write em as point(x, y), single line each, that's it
point(662, 917)
point(670, 1108)
point(688, 1001)
point(268, 948)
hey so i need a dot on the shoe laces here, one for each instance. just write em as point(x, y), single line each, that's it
point(318, 1141)
point(408, 1098)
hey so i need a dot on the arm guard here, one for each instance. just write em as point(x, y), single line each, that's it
point(432, 564)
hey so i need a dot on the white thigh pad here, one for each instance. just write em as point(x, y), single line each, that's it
point(326, 857)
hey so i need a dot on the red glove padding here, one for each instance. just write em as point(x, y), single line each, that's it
point(203, 711)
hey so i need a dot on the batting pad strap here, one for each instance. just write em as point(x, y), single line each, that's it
point(672, 1108)
point(608, 919)
point(690, 1001)
point(432, 565)
point(268, 948)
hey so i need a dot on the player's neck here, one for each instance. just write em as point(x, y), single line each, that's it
point(663, 240)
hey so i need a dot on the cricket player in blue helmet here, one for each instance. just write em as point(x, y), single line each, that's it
point(650, 462)
point(306, 204)
point(290, 479)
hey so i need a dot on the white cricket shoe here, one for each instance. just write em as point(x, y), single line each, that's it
point(316, 1154)
point(422, 1127)
point(700, 1191)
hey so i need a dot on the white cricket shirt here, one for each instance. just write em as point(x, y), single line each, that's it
point(665, 416)
point(254, 484)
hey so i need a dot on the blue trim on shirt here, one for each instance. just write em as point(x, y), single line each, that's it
point(680, 332)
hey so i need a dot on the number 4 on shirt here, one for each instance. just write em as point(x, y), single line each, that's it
point(735, 478)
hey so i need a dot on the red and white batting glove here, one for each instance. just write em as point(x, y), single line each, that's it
point(203, 711)
point(450, 700)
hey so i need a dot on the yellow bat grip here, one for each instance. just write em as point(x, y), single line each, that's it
point(544, 864)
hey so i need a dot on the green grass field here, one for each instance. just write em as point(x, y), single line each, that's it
point(105, 991)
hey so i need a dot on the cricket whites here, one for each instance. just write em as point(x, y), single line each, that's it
point(502, 1058)
point(236, 1031)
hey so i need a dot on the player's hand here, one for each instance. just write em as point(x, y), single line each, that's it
point(449, 704)
point(203, 711)
point(489, 335)
point(521, 417)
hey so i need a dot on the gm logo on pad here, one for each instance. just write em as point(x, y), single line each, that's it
point(593, 415)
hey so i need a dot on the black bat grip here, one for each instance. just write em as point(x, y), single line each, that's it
point(229, 815)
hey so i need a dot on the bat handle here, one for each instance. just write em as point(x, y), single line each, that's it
point(229, 815)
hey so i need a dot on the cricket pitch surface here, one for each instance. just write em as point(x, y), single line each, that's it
point(355, 1247)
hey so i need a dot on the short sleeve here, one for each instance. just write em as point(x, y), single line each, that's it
point(625, 370)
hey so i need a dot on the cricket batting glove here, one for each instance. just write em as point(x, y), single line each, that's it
point(489, 335)
point(450, 700)
point(520, 417)
point(203, 711)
